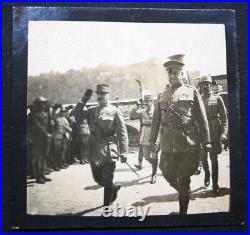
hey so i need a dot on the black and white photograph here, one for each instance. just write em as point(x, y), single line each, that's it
point(127, 117)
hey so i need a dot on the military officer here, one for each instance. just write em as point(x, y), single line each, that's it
point(107, 132)
point(180, 118)
point(218, 127)
point(145, 114)
point(38, 129)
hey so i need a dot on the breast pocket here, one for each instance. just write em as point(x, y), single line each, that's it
point(185, 105)
point(212, 108)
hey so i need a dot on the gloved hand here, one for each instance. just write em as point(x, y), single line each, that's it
point(207, 147)
point(87, 95)
point(223, 139)
point(123, 158)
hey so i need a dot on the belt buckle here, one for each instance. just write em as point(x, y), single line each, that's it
point(170, 125)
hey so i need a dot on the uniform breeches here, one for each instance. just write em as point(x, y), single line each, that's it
point(177, 169)
point(147, 155)
point(178, 166)
point(103, 174)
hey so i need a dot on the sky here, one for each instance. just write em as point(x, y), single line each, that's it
point(62, 45)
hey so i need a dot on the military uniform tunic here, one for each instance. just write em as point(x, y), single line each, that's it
point(181, 119)
point(217, 119)
point(218, 126)
point(107, 130)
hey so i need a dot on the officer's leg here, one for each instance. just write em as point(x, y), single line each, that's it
point(140, 158)
point(97, 173)
point(110, 190)
point(204, 154)
point(184, 185)
point(153, 160)
point(187, 167)
point(168, 166)
point(215, 171)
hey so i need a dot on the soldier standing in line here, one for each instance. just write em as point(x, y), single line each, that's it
point(38, 126)
point(145, 115)
point(181, 118)
point(82, 138)
point(61, 127)
point(218, 127)
point(107, 131)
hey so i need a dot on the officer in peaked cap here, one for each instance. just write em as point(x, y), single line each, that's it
point(107, 128)
point(218, 127)
point(180, 118)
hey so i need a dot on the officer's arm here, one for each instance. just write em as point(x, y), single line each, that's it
point(121, 131)
point(201, 118)
point(77, 112)
point(156, 122)
point(223, 116)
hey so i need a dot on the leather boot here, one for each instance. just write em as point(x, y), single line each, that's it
point(107, 196)
point(115, 190)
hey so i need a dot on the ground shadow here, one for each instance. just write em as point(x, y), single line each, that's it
point(174, 197)
point(81, 213)
point(125, 183)
point(127, 169)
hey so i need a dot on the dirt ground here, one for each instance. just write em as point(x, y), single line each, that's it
point(73, 191)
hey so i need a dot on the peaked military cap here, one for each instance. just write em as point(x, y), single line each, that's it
point(206, 78)
point(103, 88)
point(148, 97)
point(175, 61)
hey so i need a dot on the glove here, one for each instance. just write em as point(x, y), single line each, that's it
point(207, 147)
point(123, 158)
point(223, 139)
point(87, 95)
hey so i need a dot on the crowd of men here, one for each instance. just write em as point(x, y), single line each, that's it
point(183, 126)
point(55, 140)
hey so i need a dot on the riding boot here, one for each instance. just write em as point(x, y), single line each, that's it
point(115, 190)
point(107, 195)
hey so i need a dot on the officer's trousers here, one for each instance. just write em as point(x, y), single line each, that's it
point(104, 173)
point(214, 164)
point(177, 168)
point(147, 155)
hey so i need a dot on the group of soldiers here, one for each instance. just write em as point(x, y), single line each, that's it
point(54, 138)
point(185, 125)
point(182, 125)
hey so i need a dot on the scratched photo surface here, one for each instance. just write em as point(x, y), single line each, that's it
point(67, 58)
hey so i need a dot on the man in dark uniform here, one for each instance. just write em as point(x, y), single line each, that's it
point(181, 119)
point(38, 129)
point(107, 132)
point(218, 127)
